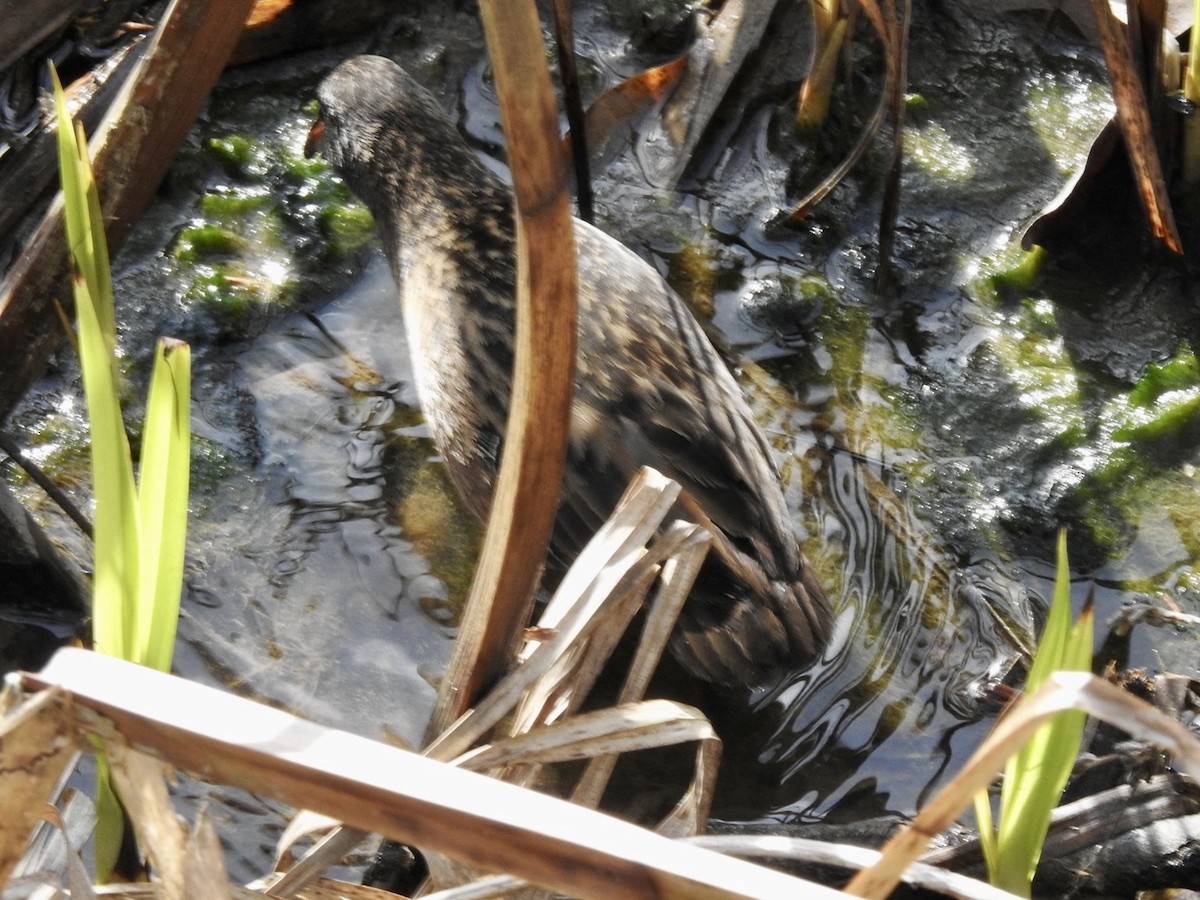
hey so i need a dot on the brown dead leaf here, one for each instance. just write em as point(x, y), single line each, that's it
point(614, 115)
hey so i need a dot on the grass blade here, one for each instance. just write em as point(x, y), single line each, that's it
point(115, 543)
point(1069, 691)
point(1035, 777)
point(96, 244)
point(116, 532)
point(109, 832)
point(139, 536)
point(74, 211)
point(163, 503)
point(987, 831)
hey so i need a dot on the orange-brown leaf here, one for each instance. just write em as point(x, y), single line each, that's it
point(617, 111)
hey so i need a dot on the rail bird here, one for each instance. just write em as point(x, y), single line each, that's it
point(650, 388)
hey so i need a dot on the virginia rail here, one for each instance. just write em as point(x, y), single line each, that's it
point(650, 388)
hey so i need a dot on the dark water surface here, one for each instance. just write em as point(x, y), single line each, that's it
point(932, 438)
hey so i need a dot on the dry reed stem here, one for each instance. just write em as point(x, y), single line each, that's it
point(1134, 118)
point(485, 822)
point(187, 863)
point(592, 607)
point(526, 495)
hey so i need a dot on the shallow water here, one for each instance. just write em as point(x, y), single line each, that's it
point(302, 581)
point(931, 438)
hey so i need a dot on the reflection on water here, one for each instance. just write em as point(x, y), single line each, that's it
point(905, 682)
point(903, 692)
point(304, 587)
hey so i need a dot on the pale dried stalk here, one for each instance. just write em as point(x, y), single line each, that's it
point(188, 863)
point(591, 610)
point(606, 559)
point(678, 575)
point(593, 605)
point(574, 673)
point(617, 729)
point(777, 849)
point(500, 827)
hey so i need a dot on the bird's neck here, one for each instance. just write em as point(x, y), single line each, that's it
point(453, 259)
point(449, 213)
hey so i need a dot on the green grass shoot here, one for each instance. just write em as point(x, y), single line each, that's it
point(140, 527)
point(1035, 777)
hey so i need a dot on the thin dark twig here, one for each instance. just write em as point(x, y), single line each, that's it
point(10, 446)
point(327, 334)
point(569, 73)
point(890, 212)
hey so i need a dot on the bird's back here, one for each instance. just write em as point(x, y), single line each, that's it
point(652, 390)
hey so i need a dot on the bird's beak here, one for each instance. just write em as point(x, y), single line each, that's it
point(315, 134)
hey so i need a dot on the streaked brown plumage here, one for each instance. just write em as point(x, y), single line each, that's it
point(650, 388)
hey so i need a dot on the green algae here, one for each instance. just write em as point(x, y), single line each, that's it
point(1149, 434)
point(226, 206)
point(206, 241)
point(934, 149)
point(1020, 274)
point(241, 156)
point(1179, 373)
point(269, 240)
point(349, 227)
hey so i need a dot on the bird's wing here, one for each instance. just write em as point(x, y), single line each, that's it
point(652, 390)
